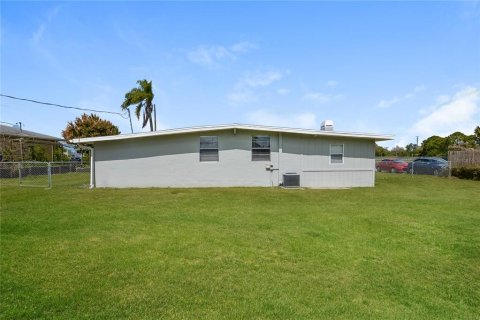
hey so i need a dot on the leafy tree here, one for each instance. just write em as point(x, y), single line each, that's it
point(398, 151)
point(477, 135)
point(37, 153)
point(411, 149)
point(89, 126)
point(460, 140)
point(142, 97)
point(380, 151)
point(59, 155)
point(457, 139)
point(435, 146)
point(470, 141)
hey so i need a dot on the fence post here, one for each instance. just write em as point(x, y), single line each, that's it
point(92, 168)
point(49, 173)
point(20, 173)
point(450, 156)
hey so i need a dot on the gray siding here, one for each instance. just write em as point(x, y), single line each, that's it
point(310, 157)
point(173, 161)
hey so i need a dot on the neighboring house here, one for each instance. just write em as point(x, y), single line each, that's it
point(235, 155)
point(15, 143)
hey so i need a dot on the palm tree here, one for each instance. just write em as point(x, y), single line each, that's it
point(142, 97)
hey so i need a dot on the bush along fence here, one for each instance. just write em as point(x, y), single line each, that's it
point(44, 174)
point(465, 164)
point(466, 173)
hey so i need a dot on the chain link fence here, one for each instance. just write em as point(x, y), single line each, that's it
point(45, 174)
point(413, 165)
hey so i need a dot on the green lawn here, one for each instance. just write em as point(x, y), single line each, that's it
point(71, 179)
point(407, 249)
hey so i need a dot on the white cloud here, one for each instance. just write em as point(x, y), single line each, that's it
point(246, 89)
point(283, 91)
point(317, 97)
point(130, 35)
point(210, 55)
point(332, 84)
point(207, 56)
point(441, 99)
point(387, 103)
point(239, 95)
point(296, 120)
point(261, 79)
point(241, 47)
point(37, 35)
point(320, 97)
point(460, 113)
point(419, 89)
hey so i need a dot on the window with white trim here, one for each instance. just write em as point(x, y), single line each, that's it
point(209, 148)
point(336, 153)
point(260, 148)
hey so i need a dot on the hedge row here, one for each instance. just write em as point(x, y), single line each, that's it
point(472, 173)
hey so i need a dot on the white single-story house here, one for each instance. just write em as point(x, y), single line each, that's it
point(235, 155)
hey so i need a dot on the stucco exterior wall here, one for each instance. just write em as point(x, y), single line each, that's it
point(174, 161)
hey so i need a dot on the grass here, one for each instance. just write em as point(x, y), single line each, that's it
point(71, 179)
point(408, 248)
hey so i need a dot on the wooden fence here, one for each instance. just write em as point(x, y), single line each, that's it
point(464, 158)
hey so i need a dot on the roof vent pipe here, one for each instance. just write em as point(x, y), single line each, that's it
point(327, 125)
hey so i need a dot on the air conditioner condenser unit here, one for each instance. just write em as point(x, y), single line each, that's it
point(291, 180)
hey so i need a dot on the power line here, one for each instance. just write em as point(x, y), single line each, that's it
point(12, 124)
point(62, 106)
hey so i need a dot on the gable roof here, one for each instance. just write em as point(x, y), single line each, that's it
point(17, 133)
point(249, 127)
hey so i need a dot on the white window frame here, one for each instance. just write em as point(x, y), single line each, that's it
point(330, 152)
point(200, 150)
point(269, 148)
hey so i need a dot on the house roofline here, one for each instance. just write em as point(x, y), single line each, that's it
point(250, 127)
point(17, 133)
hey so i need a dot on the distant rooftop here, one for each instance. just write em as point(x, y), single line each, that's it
point(237, 126)
point(16, 133)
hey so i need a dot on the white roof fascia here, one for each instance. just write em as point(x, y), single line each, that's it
point(376, 137)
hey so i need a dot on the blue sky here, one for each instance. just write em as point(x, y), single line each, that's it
point(405, 68)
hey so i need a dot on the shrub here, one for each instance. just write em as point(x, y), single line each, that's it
point(472, 173)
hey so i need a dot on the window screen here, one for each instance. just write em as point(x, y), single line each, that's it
point(260, 148)
point(336, 153)
point(209, 148)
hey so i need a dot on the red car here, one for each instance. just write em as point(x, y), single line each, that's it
point(392, 165)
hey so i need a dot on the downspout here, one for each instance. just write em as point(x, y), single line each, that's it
point(92, 166)
point(280, 150)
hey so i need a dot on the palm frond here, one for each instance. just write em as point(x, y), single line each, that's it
point(138, 109)
point(142, 97)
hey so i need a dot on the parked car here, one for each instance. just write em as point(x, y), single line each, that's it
point(392, 165)
point(429, 165)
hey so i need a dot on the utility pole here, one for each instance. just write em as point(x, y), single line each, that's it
point(130, 117)
point(20, 140)
point(155, 117)
point(21, 149)
point(416, 147)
